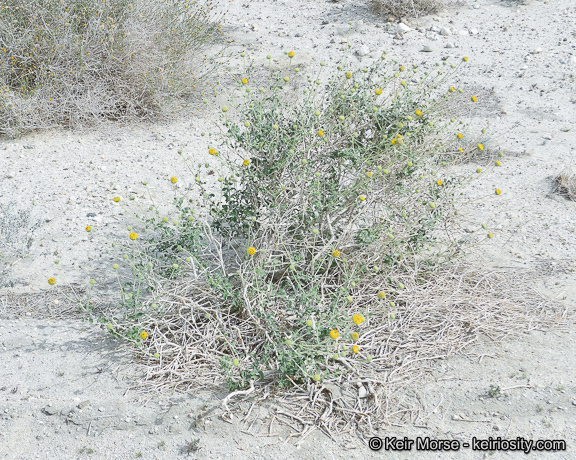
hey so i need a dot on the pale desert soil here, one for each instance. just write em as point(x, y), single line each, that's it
point(522, 63)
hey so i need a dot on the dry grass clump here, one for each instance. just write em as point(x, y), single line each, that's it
point(78, 63)
point(16, 236)
point(405, 8)
point(435, 316)
point(565, 184)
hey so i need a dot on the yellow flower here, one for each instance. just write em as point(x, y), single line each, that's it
point(291, 54)
point(335, 253)
point(51, 281)
point(378, 91)
point(334, 334)
point(251, 250)
point(173, 179)
point(369, 174)
point(490, 235)
point(212, 152)
point(474, 99)
point(348, 75)
point(393, 141)
point(362, 197)
point(321, 133)
point(133, 235)
point(452, 89)
point(88, 228)
point(465, 58)
point(381, 295)
point(460, 149)
point(459, 136)
point(244, 81)
point(355, 336)
point(480, 147)
point(401, 68)
point(439, 182)
point(479, 170)
point(355, 349)
point(418, 112)
point(143, 335)
point(498, 191)
point(116, 199)
point(358, 319)
point(246, 162)
point(497, 163)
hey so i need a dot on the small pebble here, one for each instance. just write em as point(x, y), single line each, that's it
point(445, 31)
point(402, 28)
point(427, 48)
point(363, 51)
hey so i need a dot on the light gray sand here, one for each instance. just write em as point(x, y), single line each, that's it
point(524, 53)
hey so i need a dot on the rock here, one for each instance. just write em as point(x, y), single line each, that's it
point(537, 51)
point(402, 28)
point(49, 410)
point(299, 35)
point(445, 31)
point(449, 45)
point(434, 29)
point(344, 40)
point(10, 174)
point(362, 392)
point(473, 31)
point(476, 6)
point(398, 36)
point(254, 27)
point(363, 51)
point(83, 404)
point(427, 49)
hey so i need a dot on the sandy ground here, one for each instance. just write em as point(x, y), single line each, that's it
point(65, 387)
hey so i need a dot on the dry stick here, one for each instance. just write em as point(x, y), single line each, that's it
point(237, 393)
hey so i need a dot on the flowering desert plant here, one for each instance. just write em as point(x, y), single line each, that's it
point(317, 247)
point(80, 62)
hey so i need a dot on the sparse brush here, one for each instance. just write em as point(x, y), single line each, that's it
point(565, 184)
point(405, 8)
point(80, 63)
point(16, 237)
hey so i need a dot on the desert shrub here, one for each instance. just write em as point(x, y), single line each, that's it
point(78, 62)
point(316, 248)
point(405, 8)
